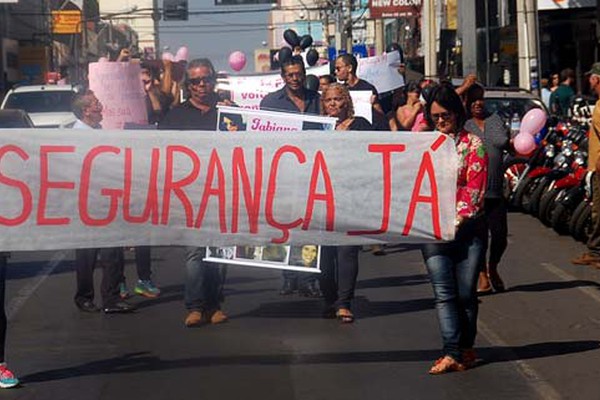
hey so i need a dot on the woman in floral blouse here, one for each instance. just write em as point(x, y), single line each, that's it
point(453, 266)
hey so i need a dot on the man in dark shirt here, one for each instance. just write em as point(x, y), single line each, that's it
point(560, 99)
point(204, 281)
point(294, 97)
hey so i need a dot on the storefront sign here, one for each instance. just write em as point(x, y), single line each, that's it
point(66, 22)
point(394, 8)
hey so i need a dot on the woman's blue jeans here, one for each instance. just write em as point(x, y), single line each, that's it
point(453, 269)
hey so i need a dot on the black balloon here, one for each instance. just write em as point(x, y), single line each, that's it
point(291, 37)
point(312, 82)
point(285, 53)
point(312, 57)
point(306, 41)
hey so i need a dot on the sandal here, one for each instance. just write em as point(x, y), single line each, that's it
point(345, 316)
point(446, 364)
point(483, 285)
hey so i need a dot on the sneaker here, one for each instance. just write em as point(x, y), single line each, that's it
point(146, 289)
point(123, 292)
point(7, 378)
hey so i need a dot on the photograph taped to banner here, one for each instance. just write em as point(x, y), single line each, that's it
point(305, 258)
point(240, 119)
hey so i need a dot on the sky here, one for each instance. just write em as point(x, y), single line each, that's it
point(214, 36)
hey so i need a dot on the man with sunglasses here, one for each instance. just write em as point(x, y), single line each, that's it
point(199, 111)
point(204, 281)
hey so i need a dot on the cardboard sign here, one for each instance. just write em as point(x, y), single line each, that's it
point(381, 71)
point(361, 99)
point(69, 189)
point(119, 88)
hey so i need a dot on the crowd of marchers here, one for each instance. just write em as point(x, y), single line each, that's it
point(459, 270)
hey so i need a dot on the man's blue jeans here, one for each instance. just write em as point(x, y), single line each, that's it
point(453, 269)
point(204, 281)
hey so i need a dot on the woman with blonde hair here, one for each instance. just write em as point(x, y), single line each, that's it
point(340, 262)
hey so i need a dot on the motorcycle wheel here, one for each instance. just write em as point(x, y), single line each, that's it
point(512, 172)
point(561, 218)
point(536, 195)
point(581, 222)
point(523, 193)
point(547, 206)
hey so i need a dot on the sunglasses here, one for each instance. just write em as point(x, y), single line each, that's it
point(197, 81)
point(444, 116)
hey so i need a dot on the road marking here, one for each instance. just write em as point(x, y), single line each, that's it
point(542, 387)
point(565, 276)
point(27, 291)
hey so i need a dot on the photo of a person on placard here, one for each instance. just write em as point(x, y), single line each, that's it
point(304, 256)
point(274, 253)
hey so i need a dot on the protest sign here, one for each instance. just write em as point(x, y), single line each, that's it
point(361, 100)
point(119, 88)
point(269, 121)
point(248, 91)
point(306, 258)
point(64, 188)
point(381, 71)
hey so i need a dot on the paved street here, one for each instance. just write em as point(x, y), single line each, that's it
point(539, 340)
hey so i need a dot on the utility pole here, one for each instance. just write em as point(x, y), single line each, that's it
point(429, 38)
point(527, 28)
point(468, 34)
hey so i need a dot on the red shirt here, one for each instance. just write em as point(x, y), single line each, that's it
point(472, 175)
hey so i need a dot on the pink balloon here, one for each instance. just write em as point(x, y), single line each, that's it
point(524, 143)
point(168, 56)
point(182, 54)
point(533, 121)
point(237, 60)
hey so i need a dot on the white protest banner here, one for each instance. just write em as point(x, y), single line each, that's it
point(306, 258)
point(381, 71)
point(269, 121)
point(64, 188)
point(119, 88)
point(361, 100)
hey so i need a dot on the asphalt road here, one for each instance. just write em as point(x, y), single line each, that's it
point(539, 340)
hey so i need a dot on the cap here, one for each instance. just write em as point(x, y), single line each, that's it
point(595, 70)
